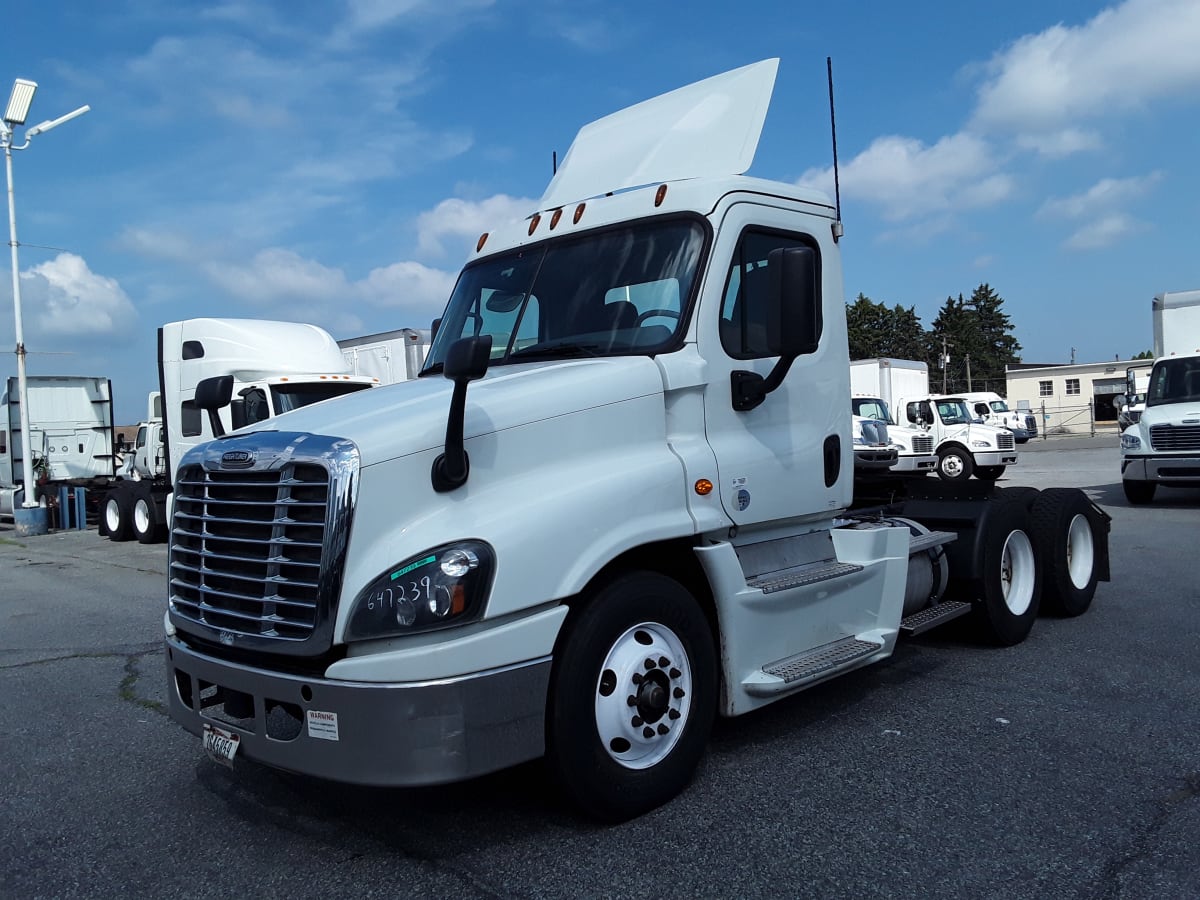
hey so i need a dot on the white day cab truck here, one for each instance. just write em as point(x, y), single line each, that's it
point(268, 367)
point(913, 446)
point(1162, 448)
point(992, 409)
point(615, 504)
point(963, 446)
point(71, 436)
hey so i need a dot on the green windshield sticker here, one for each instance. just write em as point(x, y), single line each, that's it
point(421, 562)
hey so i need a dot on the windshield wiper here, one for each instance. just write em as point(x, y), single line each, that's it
point(566, 349)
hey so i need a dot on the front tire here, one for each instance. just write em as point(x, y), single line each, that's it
point(632, 696)
point(955, 464)
point(1138, 492)
point(1065, 525)
point(1009, 587)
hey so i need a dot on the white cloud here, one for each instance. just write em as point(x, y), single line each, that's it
point(1059, 144)
point(63, 297)
point(910, 179)
point(465, 220)
point(1120, 60)
point(1103, 232)
point(1102, 196)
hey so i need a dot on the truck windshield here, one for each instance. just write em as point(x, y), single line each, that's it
point(953, 412)
point(1174, 381)
point(618, 292)
point(871, 408)
point(287, 397)
point(999, 406)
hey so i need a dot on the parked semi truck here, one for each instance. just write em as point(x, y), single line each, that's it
point(390, 357)
point(614, 505)
point(1162, 447)
point(70, 435)
point(963, 446)
point(271, 367)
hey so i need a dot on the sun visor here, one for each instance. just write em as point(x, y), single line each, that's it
point(710, 128)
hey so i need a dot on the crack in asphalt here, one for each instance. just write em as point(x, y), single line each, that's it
point(126, 690)
point(1143, 843)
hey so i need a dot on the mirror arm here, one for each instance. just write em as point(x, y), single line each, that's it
point(750, 389)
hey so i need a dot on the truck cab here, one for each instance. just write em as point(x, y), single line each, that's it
point(914, 446)
point(1162, 448)
point(992, 409)
point(964, 447)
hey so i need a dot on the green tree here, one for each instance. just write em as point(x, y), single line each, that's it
point(874, 330)
point(1145, 354)
point(977, 335)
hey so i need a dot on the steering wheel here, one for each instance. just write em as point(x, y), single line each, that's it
point(655, 313)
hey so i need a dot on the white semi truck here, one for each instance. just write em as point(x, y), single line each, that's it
point(70, 440)
point(271, 367)
point(913, 446)
point(963, 446)
point(614, 505)
point(1162, 447)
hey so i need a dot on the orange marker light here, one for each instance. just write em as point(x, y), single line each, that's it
point(482, 240)
point(578, 213)
point(661, 195)
point(554, 218)
point(533, 223)
point(704, 487)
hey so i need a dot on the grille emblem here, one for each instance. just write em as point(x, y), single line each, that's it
point(238, 459)
point(227, 638)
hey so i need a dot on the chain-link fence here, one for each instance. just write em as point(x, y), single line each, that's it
point(1061, 420)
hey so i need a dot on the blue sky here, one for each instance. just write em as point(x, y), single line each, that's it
point(333, 162)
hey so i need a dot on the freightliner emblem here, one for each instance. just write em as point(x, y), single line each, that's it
point(237, 459)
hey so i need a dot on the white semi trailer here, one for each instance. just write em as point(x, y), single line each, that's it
point(390, 357)
point(614, 505)
point(271, 367)
point(70, 440)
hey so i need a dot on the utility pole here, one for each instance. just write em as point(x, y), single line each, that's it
point(945, 362)
point(968, 359)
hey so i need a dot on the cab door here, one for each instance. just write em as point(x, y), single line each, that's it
point(790, 456)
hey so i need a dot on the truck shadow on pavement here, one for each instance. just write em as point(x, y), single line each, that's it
point(1164, 497)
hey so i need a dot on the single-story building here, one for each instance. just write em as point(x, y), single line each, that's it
point(1073, 399)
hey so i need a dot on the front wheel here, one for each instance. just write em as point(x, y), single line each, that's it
point(955, 464)
point(632, 697)
point(1009, 587)
point(1138, 492)
point(116, 515)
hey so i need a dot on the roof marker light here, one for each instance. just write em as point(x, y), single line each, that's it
point(482, 240)
point(578, 213)
point(554, 218)
point(534, 222)
point(661, 195)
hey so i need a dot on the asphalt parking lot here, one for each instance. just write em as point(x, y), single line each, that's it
point(1064, 767)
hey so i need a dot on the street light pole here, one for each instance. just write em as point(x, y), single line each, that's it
point(22, 390)
point(15, 114)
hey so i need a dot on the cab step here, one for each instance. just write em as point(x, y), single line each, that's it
point(811, 665)
point(933, 616)
point(802, 575)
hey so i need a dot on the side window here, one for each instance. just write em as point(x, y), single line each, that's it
point(140, 440)
point(982, 409)
point(191, 420)
point(745, 331)
point(3, 441)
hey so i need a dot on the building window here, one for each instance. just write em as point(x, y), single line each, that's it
point(1072, 386)
point(1045, 388)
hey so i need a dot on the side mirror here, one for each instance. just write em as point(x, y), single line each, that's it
point(466, 361)
point(214, 394)
point(793, 319)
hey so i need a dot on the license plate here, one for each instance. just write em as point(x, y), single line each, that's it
point(221, 745)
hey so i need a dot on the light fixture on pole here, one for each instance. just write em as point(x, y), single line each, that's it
point(15, 114)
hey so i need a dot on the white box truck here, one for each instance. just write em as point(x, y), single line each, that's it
point(270, 367)
point(963, 447)
point(390, 356)
point(70, 435)
point(1162, 448)
point(614, 505)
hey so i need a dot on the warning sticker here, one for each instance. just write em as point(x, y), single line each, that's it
point(322, 725)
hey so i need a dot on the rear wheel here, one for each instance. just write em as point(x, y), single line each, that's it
point(1139, 492)
point(1009, 587)
point(632, 697)
point(116, 515)
point(955, 464)
point(145, 518)
point(1065, 525)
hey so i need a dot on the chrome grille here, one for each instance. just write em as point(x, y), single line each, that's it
point(922, 444)
point(256, 553)
point(1005, 440)
point(1175, 437)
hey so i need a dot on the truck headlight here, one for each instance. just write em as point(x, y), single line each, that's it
point(445, 586)
point(981, 444)
point(1130, 442)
